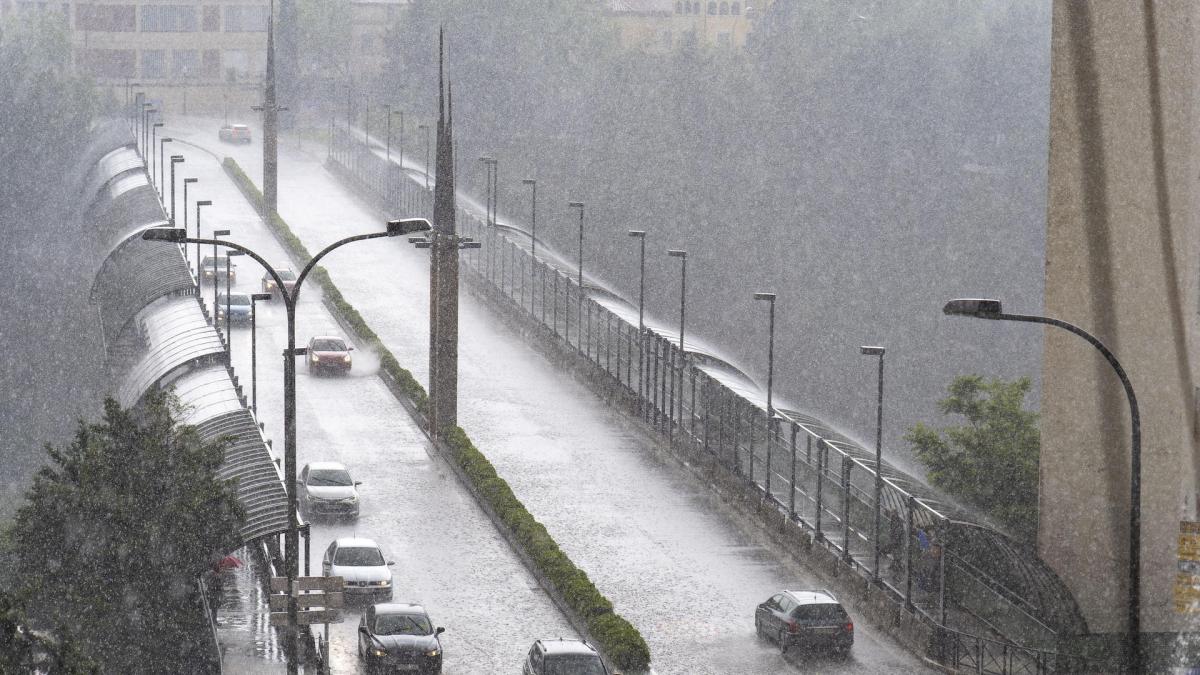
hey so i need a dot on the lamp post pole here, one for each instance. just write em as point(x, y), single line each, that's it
point(991, 309)
point(532, 241)
point(425, 128)
point(877, 351)
point(254, 298)
point(640, 235)
point(579, 278)
point(770, 299)
point(401, 139)
point(155, 167)
point(162, 164)
point(186, 182)
point(216, 281)
point(292, 538)
point(682, 255)
point(199, 271)
point(228, 302)
point(175, 159)
point(147, 110)
point(388, 124)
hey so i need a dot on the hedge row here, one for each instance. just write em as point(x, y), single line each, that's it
point(616, 636)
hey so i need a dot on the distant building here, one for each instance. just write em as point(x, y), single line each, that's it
point(370, 21)
point(208, 55)
point(660, 26)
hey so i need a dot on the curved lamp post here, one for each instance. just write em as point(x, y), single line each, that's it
point(981, 308)
point(292, 541)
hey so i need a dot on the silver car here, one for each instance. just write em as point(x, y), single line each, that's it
point(361, 564)
point(326, 489)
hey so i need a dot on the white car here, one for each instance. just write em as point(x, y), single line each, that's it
point(326, 489)
point(361, 564)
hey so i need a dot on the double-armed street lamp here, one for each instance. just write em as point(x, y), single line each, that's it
point(175, 159)
point(292, 537)
point(640, 235)
point(254, 299)
point(983, 308)
point(770, 300)
point(868, 350)
point(532, 239)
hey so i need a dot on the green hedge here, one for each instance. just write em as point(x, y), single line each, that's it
point(616, 636)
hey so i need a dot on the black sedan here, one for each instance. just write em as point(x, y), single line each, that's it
point(399, 637)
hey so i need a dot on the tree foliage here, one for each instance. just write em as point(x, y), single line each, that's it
point(991, 462)
point(117, 529)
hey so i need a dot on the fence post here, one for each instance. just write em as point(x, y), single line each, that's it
point(555, 312)
point(770, 437)
point(792, 494)
point(692, 373)
point(707, 406)
point(671, 402)
point(820, 487)
point(908, 536)
point(846, 467)
point(942, 574)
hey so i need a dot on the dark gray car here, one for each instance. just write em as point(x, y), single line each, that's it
point(399, 637)
point(805, 619)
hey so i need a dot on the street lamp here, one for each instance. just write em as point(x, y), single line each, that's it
point(640, 235)
point(154, 167)
point(682, 255)
point(186, 182)
point(980, 308)
point(200, 272)
point(292, 541)
point(129, 86)
point(147, 110)
point(877, 351)
point(532, 239)
point(175, 159)
point(401, 139)
point(228, 301)
point(254, 298)
point(216, 269)
point(492, 169)
point(425, 128)
point(770, 298)
point(161, 164)
point(579, 280)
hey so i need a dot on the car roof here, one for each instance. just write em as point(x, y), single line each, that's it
point(561, 646)
point(813, 597)
point(327, 337)
point(238, 126)
point(355, 542)
point(399, 608)
point(335, 466)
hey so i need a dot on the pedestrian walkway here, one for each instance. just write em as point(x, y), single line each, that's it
point(248, 643)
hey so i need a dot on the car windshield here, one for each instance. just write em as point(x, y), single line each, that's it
point(208, 261)
point(358, 556)
point(574, 664)
point(402, 624)
point(239, 299)
point(820, 614)
point(328, 345)
point(287, 275)
point(339, 477)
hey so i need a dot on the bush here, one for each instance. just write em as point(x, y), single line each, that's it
point(616, 636)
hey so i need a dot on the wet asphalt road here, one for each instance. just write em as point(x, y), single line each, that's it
point(657, 545)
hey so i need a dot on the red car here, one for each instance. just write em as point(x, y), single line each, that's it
point(328, 353)
point(234, 133)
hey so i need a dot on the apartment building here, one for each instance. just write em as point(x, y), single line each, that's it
point(191, 56)
point(660, 26)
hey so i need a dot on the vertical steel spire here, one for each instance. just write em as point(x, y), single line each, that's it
point(443, 277)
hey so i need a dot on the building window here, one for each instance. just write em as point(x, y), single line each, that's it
point(107, 63)
point(735, 8)
point(667, 39)
point(106, 18)
point(246, 18)
point(724, 8)
point(185, 64)
point(212, 64)
point(154, 64)
point(724, 39)
point(712, 8)
point(679, 7)
point(696, 7)
point(168, 19)
point(212, 18)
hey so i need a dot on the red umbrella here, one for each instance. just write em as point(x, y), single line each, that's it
point(229, 562)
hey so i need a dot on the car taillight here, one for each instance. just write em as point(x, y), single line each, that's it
point(793, 627)
point(849, 626)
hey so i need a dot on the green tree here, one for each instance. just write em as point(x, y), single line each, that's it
point(116, 531)
point(23, 650)
point(991, 462)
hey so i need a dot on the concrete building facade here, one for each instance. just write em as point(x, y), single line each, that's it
point(661, 26)
point(1121, 261)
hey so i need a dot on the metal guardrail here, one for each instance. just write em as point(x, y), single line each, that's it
point(815, 476)
point(210, 613)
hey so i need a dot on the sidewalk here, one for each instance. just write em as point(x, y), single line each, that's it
point(248, 643)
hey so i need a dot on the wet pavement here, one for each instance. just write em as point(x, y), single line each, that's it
point(448, 555)
point(671, 560)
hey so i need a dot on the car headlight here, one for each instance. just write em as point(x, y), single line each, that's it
point(433, 652)
point(379, 652)
point(384, 584)
point(314, 358)
point(346, 358)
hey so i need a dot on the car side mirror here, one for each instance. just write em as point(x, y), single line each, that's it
point(439, 631)
point(357, 483)
point(391, 562)
point(349, 349)
point(363, 630)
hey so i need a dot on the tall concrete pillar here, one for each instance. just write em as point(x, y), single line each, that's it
point(1121, 261)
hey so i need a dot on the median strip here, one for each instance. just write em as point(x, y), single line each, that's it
point(615, 636)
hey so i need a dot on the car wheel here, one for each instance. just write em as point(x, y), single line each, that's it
point(758, 631)
point(783, 645)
